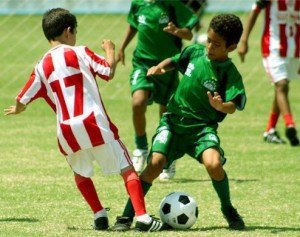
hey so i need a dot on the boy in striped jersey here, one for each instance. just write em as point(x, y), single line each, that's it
point(66, 78)
point(280, 46)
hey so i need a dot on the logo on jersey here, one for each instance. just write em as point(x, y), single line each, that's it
point(164, 19)
point(213, 137)
point(189, 70)
point(135, 76)
point(142, 20)
point(211, 85)
point(161, 137)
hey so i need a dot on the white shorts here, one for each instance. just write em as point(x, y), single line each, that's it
point(282, 68)
point(111, 157)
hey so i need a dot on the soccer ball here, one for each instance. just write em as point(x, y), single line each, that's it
point(179, 210)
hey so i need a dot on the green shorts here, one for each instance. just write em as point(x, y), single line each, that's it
point(175, 145)
point(160, 86)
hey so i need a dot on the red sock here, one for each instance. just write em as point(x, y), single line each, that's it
point(272, 121)
point(88, 191)
point(289, 121)
point(135, 191)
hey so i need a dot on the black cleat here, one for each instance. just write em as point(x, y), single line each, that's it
point(123, 223)
point(101, 223)
point(291, 134)
point(235, 221)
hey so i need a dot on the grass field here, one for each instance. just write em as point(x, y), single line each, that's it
point(38, 196)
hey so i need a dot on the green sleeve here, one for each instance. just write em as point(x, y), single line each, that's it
point(131, 19)
point(261, 4)
point(184, 16)
point(181, 60)
point(235, 90)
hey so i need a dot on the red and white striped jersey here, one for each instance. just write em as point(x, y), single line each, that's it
point(281, 34)
point(65, 78)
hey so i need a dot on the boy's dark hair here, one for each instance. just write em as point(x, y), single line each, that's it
point(56, 20)
point(228, 26)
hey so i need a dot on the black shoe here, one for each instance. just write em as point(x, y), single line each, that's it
point(123, 223)
point(235, 221)
point(154, 225)
point(272, 136)
point(101, 223)
point(291, 134)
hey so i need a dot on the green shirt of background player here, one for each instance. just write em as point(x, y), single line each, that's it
point(210, 89)
point(160, 25)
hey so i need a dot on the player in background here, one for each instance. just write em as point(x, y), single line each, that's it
point(210, 89)
point(65, 78)
point(198, 7)
point(160, 27)
point(280, 47)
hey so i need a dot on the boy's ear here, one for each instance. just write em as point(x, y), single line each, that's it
point(232, 47)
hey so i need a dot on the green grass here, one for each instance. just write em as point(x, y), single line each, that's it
point(38, 196)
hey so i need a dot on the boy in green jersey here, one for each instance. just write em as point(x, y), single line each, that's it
point(160, 27)
point(210, 89)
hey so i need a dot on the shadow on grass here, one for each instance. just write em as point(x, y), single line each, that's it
point(208, 180)
point(14, 219)
point(272, 229)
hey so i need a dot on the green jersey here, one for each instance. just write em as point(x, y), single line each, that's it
point(190, 104)
point(149, 17)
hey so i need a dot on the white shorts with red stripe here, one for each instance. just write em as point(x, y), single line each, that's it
point(111, 157)
point(282, 68)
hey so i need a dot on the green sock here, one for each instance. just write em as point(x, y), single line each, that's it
point(129, 211)
point(141, 142)
point(222, 189)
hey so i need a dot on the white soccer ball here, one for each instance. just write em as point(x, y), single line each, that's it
point(179, 210)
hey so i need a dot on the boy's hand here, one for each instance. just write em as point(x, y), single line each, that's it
point(15, 109)
point(155, 71)
point(121, 57)
point(171, 28)
point(107, 45)
point(242, 50)
point(215, 100)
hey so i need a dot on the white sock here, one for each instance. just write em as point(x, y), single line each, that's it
point(144, 218)
point(101, 213)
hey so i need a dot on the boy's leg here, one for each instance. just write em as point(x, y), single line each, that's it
point(139, 107)
point(282, 90)
point(152, 170)
point(88, 191)
point(212, 162)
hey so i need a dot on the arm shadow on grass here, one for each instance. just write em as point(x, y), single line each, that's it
point(14, 219)
point(272, 229)
point(208, 180)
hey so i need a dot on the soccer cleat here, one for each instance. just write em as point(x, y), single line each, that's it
point(291, 134)
point(272, 136)
point(101, 223)
point(154, 225)
point(123, 223)
point(169, 173)
point(139, 158)
point(235, 221)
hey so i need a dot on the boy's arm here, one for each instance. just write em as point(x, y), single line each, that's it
point(15, 109)
point(161, 68)
point(131, 32)
point(216, 102)
point(183, 33)
point(243, 47)
point(109, 48)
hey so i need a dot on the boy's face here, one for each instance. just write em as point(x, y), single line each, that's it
point(216, 46)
